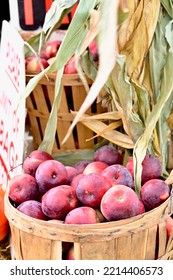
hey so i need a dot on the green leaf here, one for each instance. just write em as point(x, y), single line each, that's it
point(58, 10)
point(168, 5)
point(107, 55)
point(49, 135)
point(166, 92)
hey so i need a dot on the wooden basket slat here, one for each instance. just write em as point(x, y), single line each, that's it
point(96, 250)
point(56, 250)
point(41, 247)
point(63, 124)
point(162, 239)
point(151, 243)
point(32, 118)
point(16, 241)
point(122, 248)
point(83, 133)
point(41, 105)
point(139, 239)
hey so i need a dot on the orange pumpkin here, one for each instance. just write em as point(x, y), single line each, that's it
point(4, 226)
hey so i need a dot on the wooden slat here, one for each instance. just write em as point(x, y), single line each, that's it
point(33, 122)
point(79, 95)
point(123, 248)
point(138, 248)
point(97, 250)
point(162, 239)
point(56, 250)
point(16, 242)
point(35, 247)
point(150, 253)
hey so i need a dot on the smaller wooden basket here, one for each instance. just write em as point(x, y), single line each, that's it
point(142, 237)
point(39, 104)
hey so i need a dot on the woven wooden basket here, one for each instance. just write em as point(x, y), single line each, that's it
point(142, 237)
point(39, 104)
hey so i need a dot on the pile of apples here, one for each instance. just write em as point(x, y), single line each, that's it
point(48, 53)
point(96, 191)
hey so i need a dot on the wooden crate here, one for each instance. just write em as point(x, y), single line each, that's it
point(142, 237)
point(39, 105)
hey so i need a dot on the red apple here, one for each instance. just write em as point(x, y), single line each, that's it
point(33, 160)
point(117, 174)
point(169, 226)
point(75, 180)
point(95, 167)
point(91, 188)
point(70, 253)
point(52, 48)
point(141, 208)
point(153, 193)
point(49, 174)
point(80, 165)
point(32, 65)
point(71, 173)
point(109, 155)
point(70, 67)
point(23, 187)
point(119, 202)
point(151, 168)
point(58, 201)
point(94, 50)
point(33, 209)
point(82, 215)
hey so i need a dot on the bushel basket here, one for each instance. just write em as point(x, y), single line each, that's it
point(142, 237)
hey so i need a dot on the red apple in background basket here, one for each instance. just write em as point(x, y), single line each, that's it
point(117, 174)
point(153, 193)
point(109, 155)
point(82, 215)
point(33, 209)
point(151, 168)
point(58, 201)
point(49, 174)
point(119, 202)
point(33, 160)
point(52, 48)
point(94, 50)
point(23, 187)
point(70, 67)
point(32, 64)
point(91, 188)
point(95, 167)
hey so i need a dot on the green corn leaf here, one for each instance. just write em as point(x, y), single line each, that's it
point(49, 135)
point(107, 55)
point(166, 93)
point(168, 5)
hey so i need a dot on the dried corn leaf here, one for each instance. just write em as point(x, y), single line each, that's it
point(111, 135)
point(142, 20)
